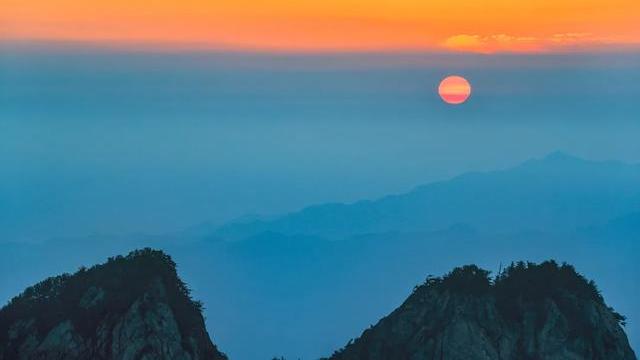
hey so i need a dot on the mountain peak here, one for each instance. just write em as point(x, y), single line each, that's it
point(554, 159)
point(132, 306)
point(529, 311)
point(561, 156)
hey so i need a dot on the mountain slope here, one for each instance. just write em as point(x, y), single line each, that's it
point(530, 311)
point(558, 192)
point(132, 307)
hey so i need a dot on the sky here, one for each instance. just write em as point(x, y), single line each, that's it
point(345, 25)
point(267, 106)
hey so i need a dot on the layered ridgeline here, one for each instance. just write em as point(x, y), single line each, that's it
point(132, 307)
point(556, 193)
point(528, 311)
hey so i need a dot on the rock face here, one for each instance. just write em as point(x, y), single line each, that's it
point(132, 307)
point(529, 311)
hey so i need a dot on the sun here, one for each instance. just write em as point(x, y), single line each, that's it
point(454, 89)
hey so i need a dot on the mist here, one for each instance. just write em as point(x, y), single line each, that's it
point(116, 142)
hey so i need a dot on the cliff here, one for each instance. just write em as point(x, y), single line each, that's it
point(132, 307)
point(529, 311)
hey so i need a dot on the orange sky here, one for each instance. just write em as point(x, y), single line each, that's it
point(467, 25)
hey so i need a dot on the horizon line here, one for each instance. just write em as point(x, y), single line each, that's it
point(142, 46)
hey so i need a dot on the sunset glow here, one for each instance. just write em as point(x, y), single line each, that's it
point(348, 25)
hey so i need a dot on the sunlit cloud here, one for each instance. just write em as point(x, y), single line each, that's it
point(491, 43)
point(495, 43)
point(571, 37)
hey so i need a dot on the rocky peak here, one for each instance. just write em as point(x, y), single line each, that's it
point(529, 311)
point(131, 307)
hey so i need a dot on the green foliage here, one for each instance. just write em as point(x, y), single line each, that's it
point(545, 280)
point(468, 279)
point(621, 319)
point(524, 283)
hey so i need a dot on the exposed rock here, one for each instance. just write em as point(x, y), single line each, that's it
point(92, 297)
point(132, 307)
point(530, 311)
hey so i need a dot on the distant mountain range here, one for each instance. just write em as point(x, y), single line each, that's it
point(558, 192)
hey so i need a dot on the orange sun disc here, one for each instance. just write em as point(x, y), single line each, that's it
point(454, 89)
